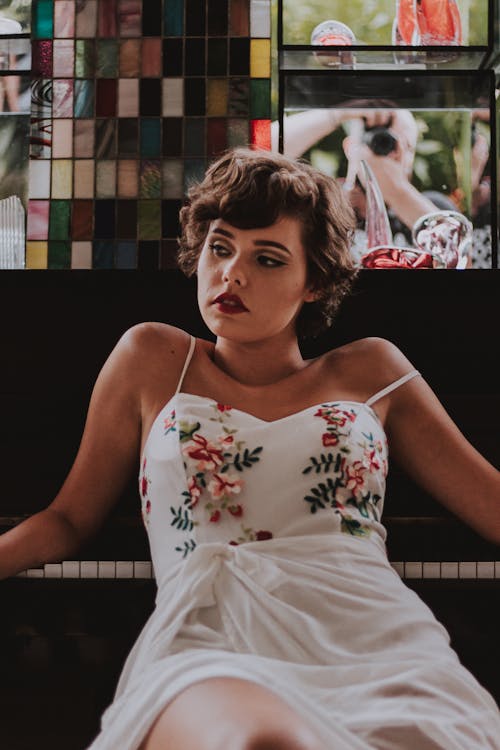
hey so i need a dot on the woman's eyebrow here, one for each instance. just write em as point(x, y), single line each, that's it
point(219, 230)
point(271, 243)
point(260, 243)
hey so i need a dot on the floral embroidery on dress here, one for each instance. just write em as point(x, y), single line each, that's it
point(144, 483)
point(217, 465)
point(336, 419)
point(249, 535)
point(346, 492)
point(169, 423)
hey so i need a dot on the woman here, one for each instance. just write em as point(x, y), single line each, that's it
point(279, 622)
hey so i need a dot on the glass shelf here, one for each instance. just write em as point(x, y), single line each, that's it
point(307, 57)
point(406, 89)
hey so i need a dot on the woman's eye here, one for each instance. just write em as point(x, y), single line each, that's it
point(266, 260)
point(217, 249)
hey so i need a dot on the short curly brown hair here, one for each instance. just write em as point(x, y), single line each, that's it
point(253, 188)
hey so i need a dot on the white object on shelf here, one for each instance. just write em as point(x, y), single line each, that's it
point(12, 246)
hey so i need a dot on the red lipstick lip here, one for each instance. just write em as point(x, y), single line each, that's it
point(230, 303)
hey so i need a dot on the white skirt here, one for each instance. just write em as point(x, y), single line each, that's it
point(326, 624)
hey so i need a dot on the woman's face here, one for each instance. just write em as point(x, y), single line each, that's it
point(252, 283)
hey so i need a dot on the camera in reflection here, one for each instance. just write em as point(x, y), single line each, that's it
point(380, 140)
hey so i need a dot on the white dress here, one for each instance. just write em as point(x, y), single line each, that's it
point(269, 556)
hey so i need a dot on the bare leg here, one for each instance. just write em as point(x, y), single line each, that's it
point(225, 713)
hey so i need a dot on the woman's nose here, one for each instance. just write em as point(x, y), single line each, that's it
point(234, 273)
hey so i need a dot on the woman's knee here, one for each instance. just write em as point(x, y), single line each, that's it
point(270, 738)
point(221, 713)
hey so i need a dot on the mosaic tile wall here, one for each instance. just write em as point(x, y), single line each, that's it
point(130, 101)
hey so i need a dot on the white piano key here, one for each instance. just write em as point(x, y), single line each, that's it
point(106, 569)
point(35, 573)
point(399, 567)
point(485, 569)
point(88, 569)
point(71, 569)
point(22, 574)
point(431, 570)
point(125, 569)
point(449, 570)
point(497, 568)
point(467, 569)
point(413, 570)
point(142, 569)
point(53, 570)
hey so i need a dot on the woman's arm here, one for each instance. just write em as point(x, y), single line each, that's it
point(107, 455)
point(428, 445)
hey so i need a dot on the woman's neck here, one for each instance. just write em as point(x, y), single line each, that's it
point(258, 363)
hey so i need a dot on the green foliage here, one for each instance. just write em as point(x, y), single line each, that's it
point(370, 20)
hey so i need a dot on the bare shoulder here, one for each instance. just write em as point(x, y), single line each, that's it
point(371, 363)
point(147, 356)
point(150, 336)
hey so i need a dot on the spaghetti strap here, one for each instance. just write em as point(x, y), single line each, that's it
point(186, 363)
point(391, 387)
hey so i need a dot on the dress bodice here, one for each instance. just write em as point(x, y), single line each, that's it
point(214, 473)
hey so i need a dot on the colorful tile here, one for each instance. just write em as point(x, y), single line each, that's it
point(63, 139)
point(150, 141)
point(150, 179)
point(83, 138)
point(105, 138)
point(107, 19)
point(130, 100)
point(173, 178)
point(84, 97)
point(38, 220)
point(41, 57)
point(128, 178)
point(107, 58)
point(83, 178)
point(64, 58)
point(82, 220)
point(130, 58)
point(125, 255)
point(61, 180)
point(81, 255)
point(239, 18)
point(43, 23)
point(260, 18)
point(260, 98)
point(174, 18)
point(84, 58)
point(36, 254)
point(128, 97)
point(59, 255)
point(86, 19)
point(105, 179)
point(126, 219)
point(64, 19)
point(60, 212)
point(260, 58)
point(172, 97)
point(62, 102)
point(217, 97)
point(129, 18)
point(151, 63)
point(39, 179)
point(149, 220)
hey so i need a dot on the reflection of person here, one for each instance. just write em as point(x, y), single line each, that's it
point(279, 622)
point(9, 84)
point(480, 178)
point(393, 170)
